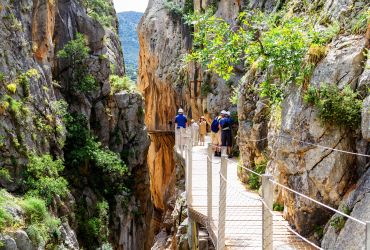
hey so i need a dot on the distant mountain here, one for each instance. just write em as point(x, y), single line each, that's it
point(128, 22)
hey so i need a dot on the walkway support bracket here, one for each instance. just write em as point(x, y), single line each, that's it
point(267, 218)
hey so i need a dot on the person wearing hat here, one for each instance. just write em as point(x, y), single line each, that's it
point(202, 130)
point(181, 121)
point(226, 133)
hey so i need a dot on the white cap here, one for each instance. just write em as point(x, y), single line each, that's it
point(181, 111)
point(228, 113)
point(223, 112)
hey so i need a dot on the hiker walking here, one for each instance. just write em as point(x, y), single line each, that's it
point(180, 124)
point(181, 121)
point(226, 133)
point(216, 134)
point(202, 130)
point(194, 132)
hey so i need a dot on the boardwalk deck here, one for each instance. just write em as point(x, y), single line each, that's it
point(243, 211)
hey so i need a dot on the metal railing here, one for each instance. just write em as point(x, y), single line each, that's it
point(247, 208)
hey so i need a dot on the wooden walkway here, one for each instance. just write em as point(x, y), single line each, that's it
point(243, 209)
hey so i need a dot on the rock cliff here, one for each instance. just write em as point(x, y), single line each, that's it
point(35, 80)
point(279, 137)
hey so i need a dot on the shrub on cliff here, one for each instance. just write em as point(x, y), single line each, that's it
point(118, 84)
point(76, 53)
point(83, 149)
point(100, 10)
point(43, 177)
point(341, 107)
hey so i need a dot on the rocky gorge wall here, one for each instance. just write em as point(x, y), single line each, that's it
point(32, 33)
point(268, 134)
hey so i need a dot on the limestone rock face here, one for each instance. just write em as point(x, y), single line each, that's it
point(276, 134)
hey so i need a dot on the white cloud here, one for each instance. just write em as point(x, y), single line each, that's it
point(130, 5)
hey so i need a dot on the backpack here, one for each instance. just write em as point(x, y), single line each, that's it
point(214, 125)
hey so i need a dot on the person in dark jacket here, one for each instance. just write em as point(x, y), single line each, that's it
point(226, 133)
point(181, 121)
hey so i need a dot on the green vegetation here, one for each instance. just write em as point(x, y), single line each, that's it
point(43, 178)
point(359, 25)
point(6, 219)
point(121, 83)
point(76, 52)
point(100, 10)
point(339, 221)
point(42, 227)
point(12, 88)
point(319, 231)
point(178, 10)
point(254, 181)
point(83, 148)
point(95, 228)
point(278, 207)
point(275, 43)
point(341, 107)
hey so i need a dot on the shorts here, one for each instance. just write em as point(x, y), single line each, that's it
point(216, 138)
point(227, 138)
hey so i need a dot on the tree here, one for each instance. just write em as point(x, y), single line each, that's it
point(76, 53)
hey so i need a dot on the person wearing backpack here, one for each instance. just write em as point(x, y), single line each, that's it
point(216, 134)
point(226, 133)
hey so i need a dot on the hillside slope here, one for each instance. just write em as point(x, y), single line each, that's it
point(128, 22)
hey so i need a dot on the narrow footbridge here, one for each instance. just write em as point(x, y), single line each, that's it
point(236, 218)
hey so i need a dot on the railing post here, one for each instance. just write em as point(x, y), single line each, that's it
point(181, 141)
point(267, 219)
point(209, 183)
point(222, 205)
point(367, 240)
point(190, 171)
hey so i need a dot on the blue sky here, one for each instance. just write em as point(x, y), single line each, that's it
point(130, 5)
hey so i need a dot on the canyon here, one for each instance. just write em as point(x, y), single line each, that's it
point(95, 154)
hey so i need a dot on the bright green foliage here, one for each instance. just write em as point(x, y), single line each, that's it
point(278, 207)
point(270, 42)
point(254, 180)
point(341, 107)
point(76, 53)
point(12, 88)
point(121, 83)
point(6, 219)
point(215, 44)
point(43, 178)
point(101, 10)
point(42, 226)
point(4, 173)
point(35, 209)
point(362, 21)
